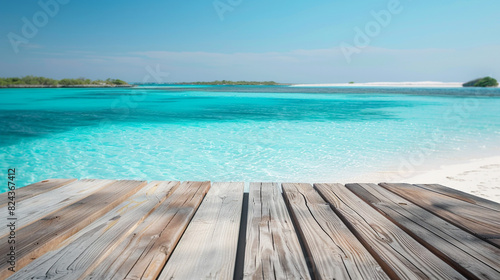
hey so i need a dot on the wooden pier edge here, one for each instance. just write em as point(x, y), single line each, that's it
point(195, 230)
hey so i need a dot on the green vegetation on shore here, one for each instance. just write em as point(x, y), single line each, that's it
point(482, 82)
point(42, 81)
point(233, 83)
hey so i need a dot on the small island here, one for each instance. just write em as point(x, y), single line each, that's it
point(482, 82)
point(232, 83)
point(42, 82)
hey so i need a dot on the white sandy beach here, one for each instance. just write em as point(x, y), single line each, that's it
point(480, 177)
point(388, 84)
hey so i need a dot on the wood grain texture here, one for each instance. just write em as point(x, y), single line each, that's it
point(207, 249)
point(461, 196)
point(35, 189)
point(473, 257)
point(334, 251)
point(272, 250)
point(80, 253)
point(35, 208)
point(476, 219)
point(143, 252)
point(403, 256)
point(47, 233)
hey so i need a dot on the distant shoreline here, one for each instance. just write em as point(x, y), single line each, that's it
point(69, 86)
point(387, 84)
point(230, 83)
point(373, 84)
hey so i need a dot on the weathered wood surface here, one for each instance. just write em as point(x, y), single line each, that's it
point(34, 189)
point(47, 233)
point(143, 252)
point(35, 208)
point(208, 248)
point(473, 257)
point(104, 229)
point(461, 195)
point(478, 220)
point(272, 247)
point(334, 251)
point(82, 252)
point(403, 256)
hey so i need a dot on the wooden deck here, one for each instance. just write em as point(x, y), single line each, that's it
point(120, 229)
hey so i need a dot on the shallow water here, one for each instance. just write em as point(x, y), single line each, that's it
point(239, 133)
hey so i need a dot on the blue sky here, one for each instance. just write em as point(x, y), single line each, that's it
point(285, 41)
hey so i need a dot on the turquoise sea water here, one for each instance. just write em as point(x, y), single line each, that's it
point(239, 133)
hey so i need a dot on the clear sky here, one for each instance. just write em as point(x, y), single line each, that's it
point(285, 41)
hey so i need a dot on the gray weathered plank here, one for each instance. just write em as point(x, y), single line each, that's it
point(142, 253)
point(82, 252)
point(462, 196)
point(35, 208)
point(478, 220)
point(34, 189)
point(470, 255)
point(334, 251)
point(207, 249)
point(404, 257)
point(47, 233)
point(272, 247)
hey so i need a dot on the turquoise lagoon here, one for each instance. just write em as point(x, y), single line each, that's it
point(240, 133)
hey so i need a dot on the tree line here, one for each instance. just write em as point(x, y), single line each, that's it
point(233, 83)
point(42, 81)
point(482, 82)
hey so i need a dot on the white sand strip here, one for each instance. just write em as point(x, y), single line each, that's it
point(387, 84)
point(480, 177)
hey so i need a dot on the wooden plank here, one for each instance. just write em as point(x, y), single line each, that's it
point(143, 252)
point(334, 251)
point(208, 248)
point(462, 196)
point(272, 250)
point(404, 257)
point(35, 208)
point(473, 257)
point(47, 233)
point(84, 250)
point(478, 220)
point(35, 189)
